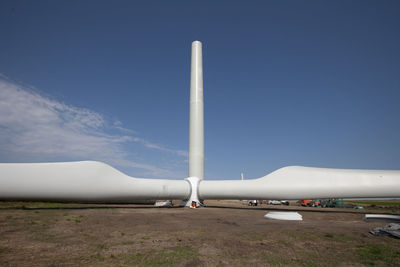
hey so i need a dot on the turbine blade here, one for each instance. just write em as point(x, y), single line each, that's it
point(295, 182)
point(89, 181)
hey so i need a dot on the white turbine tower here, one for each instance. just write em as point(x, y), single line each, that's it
point(196, 124)
point(91, 181)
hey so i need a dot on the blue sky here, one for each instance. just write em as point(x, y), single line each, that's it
point(312, 83)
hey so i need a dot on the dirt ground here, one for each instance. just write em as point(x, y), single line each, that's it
point(222, 234)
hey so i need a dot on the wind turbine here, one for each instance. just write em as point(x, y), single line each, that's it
point(91, 181)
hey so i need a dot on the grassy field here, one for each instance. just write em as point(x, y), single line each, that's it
point(376, 203)
point(224, 234)
point(38, 205)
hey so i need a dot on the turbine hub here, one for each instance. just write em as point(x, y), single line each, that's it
point(193, 201)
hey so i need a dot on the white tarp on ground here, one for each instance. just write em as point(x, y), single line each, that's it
point(392, 229)
point(167, 203)
point(288, 216)
point(382, 217)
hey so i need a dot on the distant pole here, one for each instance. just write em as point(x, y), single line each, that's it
point(241, 174)
point(196, 123)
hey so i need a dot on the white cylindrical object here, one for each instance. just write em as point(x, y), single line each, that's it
point(196, 123)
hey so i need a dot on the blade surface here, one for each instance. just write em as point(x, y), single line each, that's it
point(82, 181)
point(295, 182)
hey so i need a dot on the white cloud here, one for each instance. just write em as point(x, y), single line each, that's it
point(160, 147)
point(34, 128)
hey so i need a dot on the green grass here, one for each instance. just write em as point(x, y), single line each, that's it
point(76, 219)
point(250, 236)
point(296, 235)
point(101, 246)
point(270, 259)
point(97, 257)
point(338, 237)
point(40, 232)
point(344, 237)
point(162, 257)
point(306, 262)
point(370, 254)
point(127, 243)
point(308, 259)
point(383, 203)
